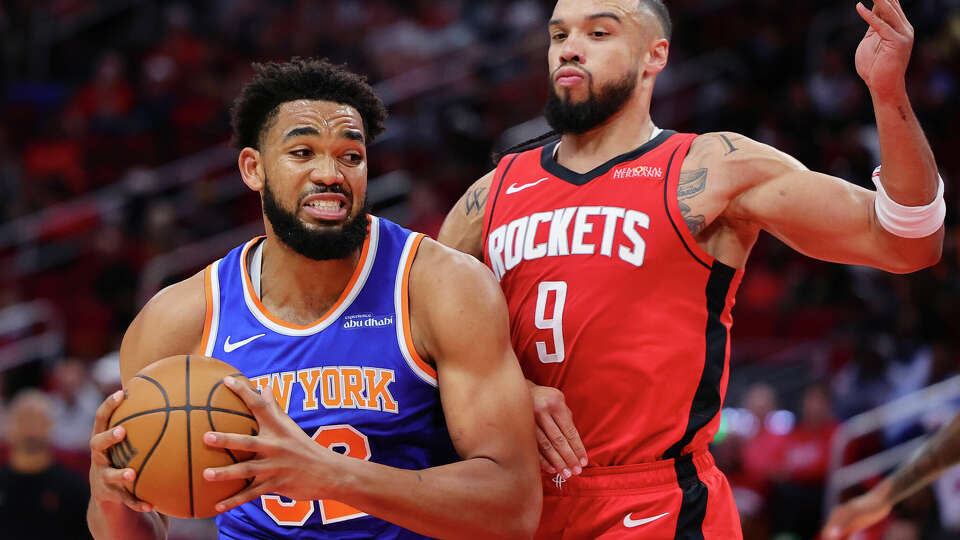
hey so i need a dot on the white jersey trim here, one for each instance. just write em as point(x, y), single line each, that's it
point(399, 291)
point(329, 318)
point(214, 284)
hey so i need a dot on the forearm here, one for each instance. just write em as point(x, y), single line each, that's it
point(109, 521)
point(939, 453)
point(475, 498)
point(909, 172)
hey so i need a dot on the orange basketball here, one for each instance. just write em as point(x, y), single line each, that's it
point(169, 406)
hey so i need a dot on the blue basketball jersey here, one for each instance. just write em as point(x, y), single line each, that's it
point(352, 380)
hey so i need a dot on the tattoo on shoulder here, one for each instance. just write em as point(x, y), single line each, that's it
point(728, 141)
point(692, 183)
point(476, 200)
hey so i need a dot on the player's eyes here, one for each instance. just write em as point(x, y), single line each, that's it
point(558, 36)
point(354, 158)
point(301, 153)
point(599, 33)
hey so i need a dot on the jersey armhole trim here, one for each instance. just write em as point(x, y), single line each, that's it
point(417, 364)
point(211, 322)
point(672, 206)
point(488, 216)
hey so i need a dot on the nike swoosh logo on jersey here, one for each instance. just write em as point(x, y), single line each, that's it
point(631, 523)
point(514, 188)
point(230, 347)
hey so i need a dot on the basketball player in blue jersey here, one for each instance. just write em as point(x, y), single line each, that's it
point(391, 403)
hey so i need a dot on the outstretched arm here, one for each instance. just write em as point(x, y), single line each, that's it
point(941, 452)
point(826, 217)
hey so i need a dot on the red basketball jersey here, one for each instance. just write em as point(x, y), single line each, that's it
point(611, 299)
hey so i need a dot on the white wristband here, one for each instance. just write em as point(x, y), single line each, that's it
point(909, 221)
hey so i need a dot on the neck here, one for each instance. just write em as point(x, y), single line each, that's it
point(30, 462)
point(628, 129)
point(300, 290)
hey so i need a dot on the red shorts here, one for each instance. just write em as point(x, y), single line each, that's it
point(683, 498)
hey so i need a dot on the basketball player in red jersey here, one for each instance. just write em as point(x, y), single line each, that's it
point(620, 247)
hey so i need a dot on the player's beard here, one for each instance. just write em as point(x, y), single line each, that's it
point(315, 244)
point(564, 116)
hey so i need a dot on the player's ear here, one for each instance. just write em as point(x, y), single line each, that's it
point(250, 168)
point(657, 56)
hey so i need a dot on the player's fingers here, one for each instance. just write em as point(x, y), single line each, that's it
point(234, 441)
point(100, 442)
point(119, 478)
point(876, 23)
point(545, 465)
point(550, 454)
point(243, 496)
point(838, 525)
point(899, 9)
point(130, 501)
point(890, 12)
point(560, 442)
point(258, 403)
point(244, 469)
point(565, 423)
point(117, 486)
point(105, 410)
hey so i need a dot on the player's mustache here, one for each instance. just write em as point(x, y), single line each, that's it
point(574, 65)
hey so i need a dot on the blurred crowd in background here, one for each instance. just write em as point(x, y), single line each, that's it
point(115, 179)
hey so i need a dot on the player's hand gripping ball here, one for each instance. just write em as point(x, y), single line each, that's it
point(169, 406)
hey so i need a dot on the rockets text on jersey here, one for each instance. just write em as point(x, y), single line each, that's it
point(611, 299)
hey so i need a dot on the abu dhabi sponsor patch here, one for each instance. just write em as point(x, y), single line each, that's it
point(367, 320)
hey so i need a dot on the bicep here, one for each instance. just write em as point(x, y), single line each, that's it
point(488, 408)
point(463, 227)
point(818, 215)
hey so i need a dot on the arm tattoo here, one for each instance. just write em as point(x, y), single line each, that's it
point(939, 453)
point(476, 200)
point(730, 147)
point(692, 183)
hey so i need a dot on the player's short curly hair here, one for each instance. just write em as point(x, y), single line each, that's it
point(276, 83)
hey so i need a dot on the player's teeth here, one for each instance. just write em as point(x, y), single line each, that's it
point(325, 205)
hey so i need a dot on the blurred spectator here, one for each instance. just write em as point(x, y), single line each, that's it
point(797, 499)
point(106, 373)
point(74, 404)
point(106, 100)
point(762, 452)
point(862, 384)
point(38, 497)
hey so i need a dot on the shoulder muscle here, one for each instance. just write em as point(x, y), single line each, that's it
point(453, 298)
point(463, 227)
point(170, 323)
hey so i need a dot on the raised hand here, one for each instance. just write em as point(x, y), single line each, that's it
point(108, 484)
point(884, 53)
point(287, 461)
point(856, 514)
point(561, 450)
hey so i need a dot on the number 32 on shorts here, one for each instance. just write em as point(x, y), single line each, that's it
point(296, 513)
point(554, 322)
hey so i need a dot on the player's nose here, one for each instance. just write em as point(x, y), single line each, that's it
point(572, 51)
point(325, 171)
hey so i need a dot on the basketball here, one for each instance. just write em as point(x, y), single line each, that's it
point(169, 406)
